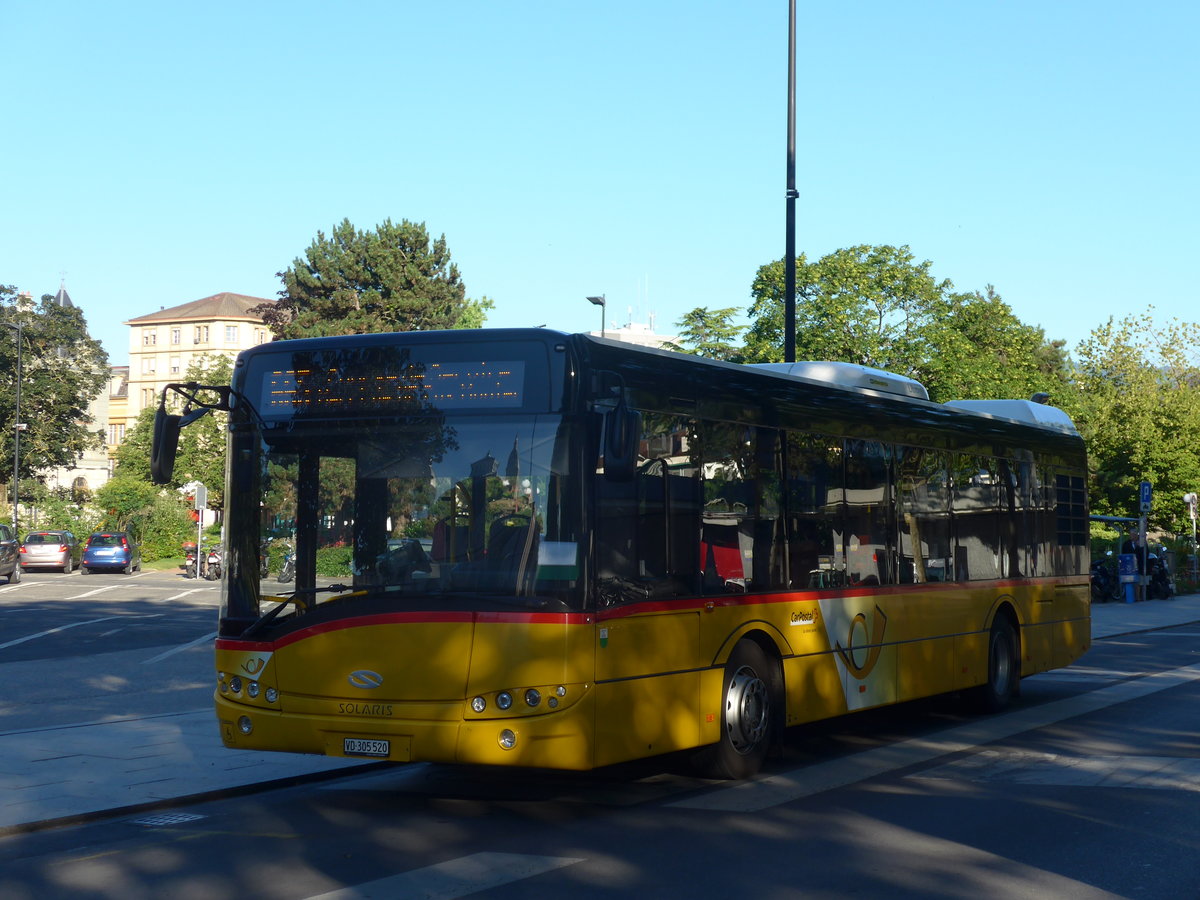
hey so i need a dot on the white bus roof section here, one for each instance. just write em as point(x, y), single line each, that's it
point(850, 375)
point(1025, 411)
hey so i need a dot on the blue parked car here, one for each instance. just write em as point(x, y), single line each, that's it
point(110, 550)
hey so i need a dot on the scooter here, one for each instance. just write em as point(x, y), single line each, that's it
point(1105, 585)
point(213, 569)
point(189, 562)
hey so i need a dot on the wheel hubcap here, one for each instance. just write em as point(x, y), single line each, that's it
point(746, 710)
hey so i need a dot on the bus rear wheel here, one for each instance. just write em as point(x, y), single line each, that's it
point(1004, 669)
point(750, 705)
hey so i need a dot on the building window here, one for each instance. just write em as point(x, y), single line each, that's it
point(201, 335)
point(149, 365)
point(231, 334)
point(174, 365)
point(175, 335)
point(147, 397)
point(260, 335)
point(149, 337)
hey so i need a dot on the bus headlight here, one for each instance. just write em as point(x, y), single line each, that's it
point(508, 739)
point(245, 726)
point(504, 700)
point(252, 690)
point(533, 697)
point(271, 694)
point(478, 704)
point(235, 684)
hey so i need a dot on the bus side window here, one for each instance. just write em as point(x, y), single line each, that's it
point(813, 474)
point(646, 527)
point(869, 513)
point(740, 506)
point(924, 497)
point(976, 518)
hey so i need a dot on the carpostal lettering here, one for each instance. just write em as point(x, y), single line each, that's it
point(365, 709)
point(804, 617)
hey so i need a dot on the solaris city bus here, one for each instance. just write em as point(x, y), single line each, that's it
point(531, 548)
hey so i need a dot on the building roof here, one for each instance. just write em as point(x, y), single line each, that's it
point(219, 306)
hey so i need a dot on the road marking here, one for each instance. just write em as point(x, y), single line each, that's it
point(455, 878)
point(99, 590)
point(50, 631)
point(772, 790)
point(1173, 634)
point(40, 634)
point(184, 594)
point(1029, 767)
point(200, 640)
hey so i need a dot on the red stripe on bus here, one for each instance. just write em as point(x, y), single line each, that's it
point(407, 618)
point(684, 604)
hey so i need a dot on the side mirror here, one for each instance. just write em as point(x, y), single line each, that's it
point(622, 433)
point(164, 446)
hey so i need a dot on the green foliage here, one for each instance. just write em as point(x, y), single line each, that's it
point(334, 562)
point(54, 510)
point(876, 306)
point(395, 278)
point(164, 526)
point(124, 503)
point(62, 371)
point(1136, 400)
point(709, 333)
point(133, 453)
point(202, 444)
point(201, 455)
point(160, 522)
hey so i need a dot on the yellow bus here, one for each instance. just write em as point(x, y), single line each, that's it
point(522, 547)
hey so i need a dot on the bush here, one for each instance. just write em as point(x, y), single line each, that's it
point(164, 526)
point(334, 561)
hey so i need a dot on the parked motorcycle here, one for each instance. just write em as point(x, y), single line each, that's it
point(1105, 583)
point(1159, 584)
point(189, 560)
point(213, 568)
point(287, 572)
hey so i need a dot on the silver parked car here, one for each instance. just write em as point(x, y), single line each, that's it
point(10, 557)
point(50, 549)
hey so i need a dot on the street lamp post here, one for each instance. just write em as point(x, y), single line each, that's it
point(599, 301)
point(16, 431)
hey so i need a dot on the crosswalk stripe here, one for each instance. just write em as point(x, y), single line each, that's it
point(454, 878)
point(773, 790)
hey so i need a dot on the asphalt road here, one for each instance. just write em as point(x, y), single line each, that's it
point(1088, 787)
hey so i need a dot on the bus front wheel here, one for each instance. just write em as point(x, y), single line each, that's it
point(749, 710)
point(1004, 669)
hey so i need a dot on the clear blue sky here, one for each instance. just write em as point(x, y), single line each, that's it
point(157, 154)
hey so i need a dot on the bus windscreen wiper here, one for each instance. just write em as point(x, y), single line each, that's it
point(270, 615)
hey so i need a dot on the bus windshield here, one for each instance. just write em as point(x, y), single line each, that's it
point(462, 512)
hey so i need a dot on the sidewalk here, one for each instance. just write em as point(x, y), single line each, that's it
point(56, 776)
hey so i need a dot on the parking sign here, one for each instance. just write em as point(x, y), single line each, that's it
point(1144, 496)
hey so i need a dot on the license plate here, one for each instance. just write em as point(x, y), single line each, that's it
point(365, 747)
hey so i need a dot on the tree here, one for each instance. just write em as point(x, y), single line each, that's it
point(877, 307)
point(394, 278)
point(63, 370)
point(981, 350)
point(201, 453)
point(1136, 400)
point(709, 333)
